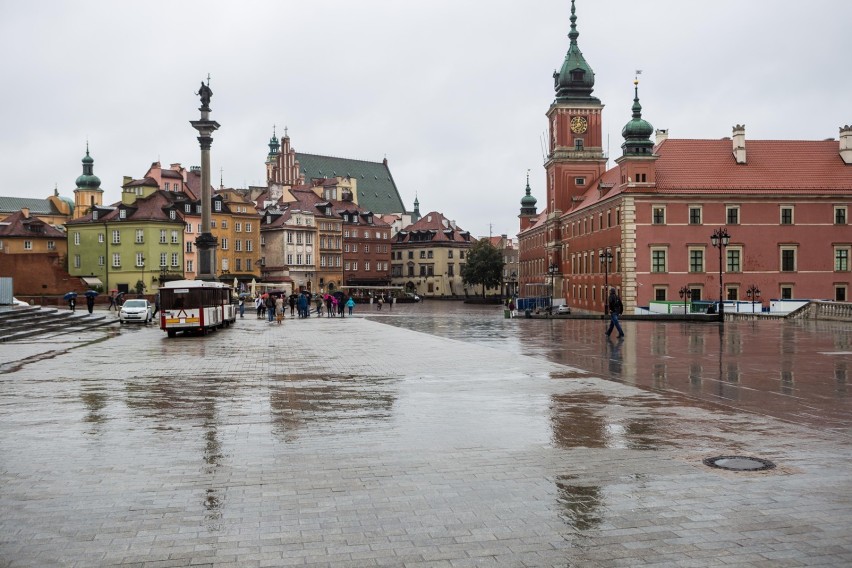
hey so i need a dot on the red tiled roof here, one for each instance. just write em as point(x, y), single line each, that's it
point(441, 226)
point(770, 164)
point(16, 225)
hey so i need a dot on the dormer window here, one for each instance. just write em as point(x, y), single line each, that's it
point(577, 75)
point(217, 205)
point(172, 215)
point(122, 214)
point(187, 208)
point(95, 215)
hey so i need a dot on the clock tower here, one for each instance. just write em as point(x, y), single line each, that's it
point(575, 152)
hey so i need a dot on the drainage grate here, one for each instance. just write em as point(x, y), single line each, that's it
point(739, 463)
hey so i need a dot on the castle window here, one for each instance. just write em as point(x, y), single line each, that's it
point(578, 144)
point(580, 181)
point(840, 215)
point(695, 215)
point(659, 215)
point(732, 215)
point(786, 215)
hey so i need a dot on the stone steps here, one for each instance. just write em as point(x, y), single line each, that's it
point(21, 322)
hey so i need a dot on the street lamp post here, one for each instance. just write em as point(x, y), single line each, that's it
point(720, 239)
point(753, 294)
point(606, 259)
point(686, 294)
point(513, 278)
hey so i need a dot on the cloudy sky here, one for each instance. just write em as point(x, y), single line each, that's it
point(452, 92)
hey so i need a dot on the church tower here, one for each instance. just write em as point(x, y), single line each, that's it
point(575, 155)
point(88, 193)
point(636, 163)
point(528, 209)
point(282, 167)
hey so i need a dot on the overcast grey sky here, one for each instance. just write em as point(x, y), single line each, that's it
point(453, 92)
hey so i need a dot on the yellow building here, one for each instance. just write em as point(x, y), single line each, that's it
point(236, 224)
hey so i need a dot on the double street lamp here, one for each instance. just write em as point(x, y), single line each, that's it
point(686, 294)
point(753, 294)
point(606, 260)
point(720, 239)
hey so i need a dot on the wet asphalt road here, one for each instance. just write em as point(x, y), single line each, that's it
point(451, 437)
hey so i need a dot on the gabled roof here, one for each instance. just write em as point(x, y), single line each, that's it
point(438, 226)
point(36, 206)
point(152, 208)
point(375, 186)
point(16, 225)
point(788, 165)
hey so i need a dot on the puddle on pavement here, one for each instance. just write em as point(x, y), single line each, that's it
point(594, 420)
point(348, 401)
point(580, 506)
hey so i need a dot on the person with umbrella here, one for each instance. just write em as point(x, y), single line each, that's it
point(71, 298)
point(90, 300)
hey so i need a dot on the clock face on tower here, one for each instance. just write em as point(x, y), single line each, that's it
point(579, 124)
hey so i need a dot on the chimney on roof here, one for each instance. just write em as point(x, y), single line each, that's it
point(662, 135)
point(25, 211)
point(126, 180)
point(846, 144)
point(739, 144)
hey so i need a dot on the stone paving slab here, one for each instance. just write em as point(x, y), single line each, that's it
point(327, 442)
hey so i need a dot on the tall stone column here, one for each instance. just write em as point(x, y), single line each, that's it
point(206, 243)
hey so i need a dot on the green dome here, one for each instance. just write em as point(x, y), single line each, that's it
point(528, 201)
point(637, 133)
point(88, 180)
point(575, 81)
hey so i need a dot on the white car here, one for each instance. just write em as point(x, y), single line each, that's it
point(135, 310)
point(563, 309)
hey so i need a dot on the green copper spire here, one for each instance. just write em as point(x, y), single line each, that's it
point(415, 215)
point(575, 81)
point(274, 146)
point(637, 133)
point(528, 201)
point(88, 180)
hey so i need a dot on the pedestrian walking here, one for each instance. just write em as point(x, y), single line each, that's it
point(329, 306)
point(156, 304)
point(72, 304)
point(292, 305)
point(279, 309)
point(112, 303)
point(379, 302)
point(350, 303)
point(615, 309)
point(318, 303)
point(270, 308)
point(258, 306)
point(90, 302)
point(242, 307)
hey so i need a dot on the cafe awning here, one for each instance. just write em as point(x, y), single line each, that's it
point(92, 281)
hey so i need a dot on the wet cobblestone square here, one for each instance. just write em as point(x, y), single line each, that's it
point(449, 438)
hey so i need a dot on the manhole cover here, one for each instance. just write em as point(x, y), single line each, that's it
point(739, 463)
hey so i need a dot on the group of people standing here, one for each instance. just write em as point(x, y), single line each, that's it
point(273, 306)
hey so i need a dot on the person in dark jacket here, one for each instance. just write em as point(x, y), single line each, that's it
point(615, 309)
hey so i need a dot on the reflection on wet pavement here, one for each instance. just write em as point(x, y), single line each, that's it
point(796, 371)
